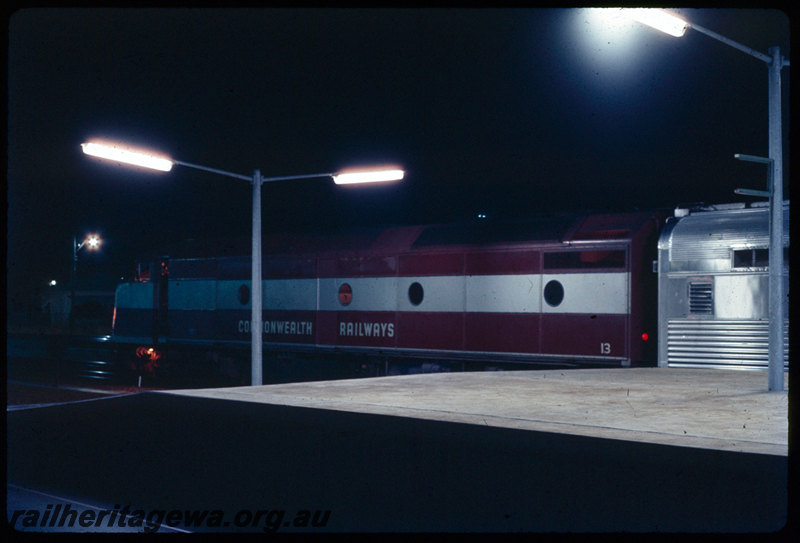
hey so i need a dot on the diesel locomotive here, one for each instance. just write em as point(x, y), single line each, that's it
point(611, 289)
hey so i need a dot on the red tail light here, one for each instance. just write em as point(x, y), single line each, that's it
point(148, 352)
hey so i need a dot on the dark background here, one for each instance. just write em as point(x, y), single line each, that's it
point(504, 112)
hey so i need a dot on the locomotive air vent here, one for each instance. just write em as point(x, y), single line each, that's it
point(701, 298)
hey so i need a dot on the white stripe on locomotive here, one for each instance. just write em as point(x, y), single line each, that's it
point(591, 293)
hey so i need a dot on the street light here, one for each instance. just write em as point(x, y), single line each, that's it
point(150, 160)
point(92, 242)
point(675, 26)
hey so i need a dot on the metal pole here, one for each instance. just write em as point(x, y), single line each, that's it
point(255, 316)
point(776, 293)
point(256, 324)
point(72, 281)
point(736, 45)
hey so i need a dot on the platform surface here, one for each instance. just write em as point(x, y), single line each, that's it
point(727, 410)
point(621, 450)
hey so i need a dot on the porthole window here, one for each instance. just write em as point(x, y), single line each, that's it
point(244, 294)
point(345, 294)
point(415, 293)
point(553, 293)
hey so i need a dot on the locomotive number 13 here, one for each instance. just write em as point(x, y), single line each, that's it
point(605, 348)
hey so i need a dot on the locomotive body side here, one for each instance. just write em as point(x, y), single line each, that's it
point(566, 289)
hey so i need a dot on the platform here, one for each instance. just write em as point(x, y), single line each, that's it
point(627, 450)
point(706, 408)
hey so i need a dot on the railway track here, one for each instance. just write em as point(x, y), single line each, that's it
point(24, 394)
point(55, 359)
point(91, 362)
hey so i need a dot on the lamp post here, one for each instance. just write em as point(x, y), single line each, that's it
point(91, 241)
point(668, 23)
point(149, 160)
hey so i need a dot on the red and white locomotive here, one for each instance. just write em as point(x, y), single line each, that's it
point(562, 288)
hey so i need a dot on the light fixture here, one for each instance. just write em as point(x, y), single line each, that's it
point(658, 19)
point(127, 156)
point(372, 176)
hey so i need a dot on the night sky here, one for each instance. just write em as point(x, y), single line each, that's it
point(503, 112)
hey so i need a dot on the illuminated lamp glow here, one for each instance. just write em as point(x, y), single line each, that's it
point(658, 19)
point(127, 156)
point(372, 176)
point(645, 336)
point(93, 241)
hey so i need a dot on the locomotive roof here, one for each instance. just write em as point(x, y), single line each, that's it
point(545, 229)
point(303, 248)
point(551, 228)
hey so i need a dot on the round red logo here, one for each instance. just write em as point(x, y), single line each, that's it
point(345, 294)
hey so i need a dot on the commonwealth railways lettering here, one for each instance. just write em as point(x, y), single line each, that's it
point(306, 328)
point(366, 329)
point(290, 328)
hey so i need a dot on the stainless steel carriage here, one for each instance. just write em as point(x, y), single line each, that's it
point(713, 287)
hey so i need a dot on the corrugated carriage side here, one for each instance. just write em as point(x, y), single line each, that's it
point(713, 287)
